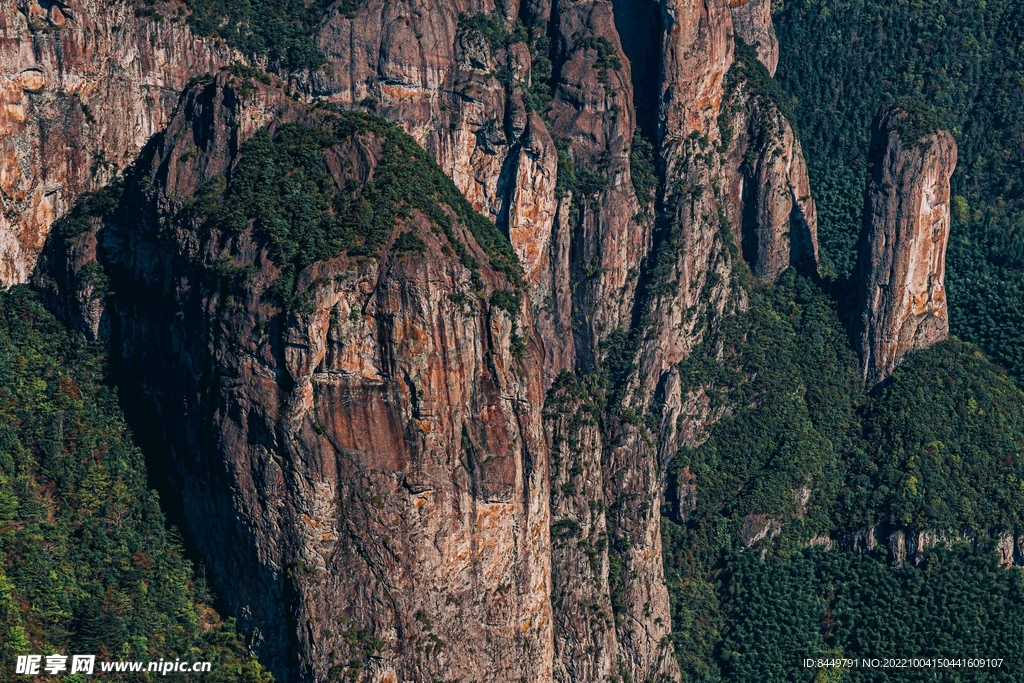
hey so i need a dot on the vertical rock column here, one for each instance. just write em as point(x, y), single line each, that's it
point(902, 261)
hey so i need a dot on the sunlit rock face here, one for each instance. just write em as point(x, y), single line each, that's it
point(83, 86)
point(902, 261)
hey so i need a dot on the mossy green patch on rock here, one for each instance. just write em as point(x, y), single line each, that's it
point(282, 187)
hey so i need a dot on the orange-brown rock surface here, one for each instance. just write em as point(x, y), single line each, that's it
point(83, 86)
point(902, 260)
point(697, 52)
point(366, 476)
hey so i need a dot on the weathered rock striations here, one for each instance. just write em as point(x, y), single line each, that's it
point(592, 113)
point(697, 54)
point(462, 95)
point(83, 86)
point(365, 472)
point(902, 259)
point(736, 184)
point(697, 51)
point(414, 63)
point(752, 21)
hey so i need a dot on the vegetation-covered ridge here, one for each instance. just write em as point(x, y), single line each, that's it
point(87, 565)
point(917, 119)
point(843, 60)
point(748, 71)
point(283, 187)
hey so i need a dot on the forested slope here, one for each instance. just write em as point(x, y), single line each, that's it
point(803, 460)
point(805, 457)
point(87, 564)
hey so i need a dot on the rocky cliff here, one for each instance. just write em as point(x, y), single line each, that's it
point(767, 191)
point(358, 444)
point(902, 259)
point(433, 405)
point(84, 86)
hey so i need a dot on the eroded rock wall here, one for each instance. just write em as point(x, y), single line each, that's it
point(366, 476)
point(766, 189)
point(83, 86)
point(405, 489)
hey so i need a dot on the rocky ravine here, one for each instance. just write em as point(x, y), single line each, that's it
point(902, 260)
point(391, 467)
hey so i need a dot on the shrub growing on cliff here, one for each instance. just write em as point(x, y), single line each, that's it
point(642, 169)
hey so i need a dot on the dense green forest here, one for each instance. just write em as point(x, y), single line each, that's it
point(804, 455)
point(87, 564)
point(813, 603)
point(842, 60)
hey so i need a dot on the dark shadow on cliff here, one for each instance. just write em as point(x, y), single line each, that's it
point(639, 25)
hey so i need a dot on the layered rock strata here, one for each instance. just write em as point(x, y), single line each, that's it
point(902, 259)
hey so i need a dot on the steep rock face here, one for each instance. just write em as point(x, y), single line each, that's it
point(378, 450)
point(752, 20)
point(902, 260)
point(696, 284)
point(83, 86)
point(783, 213)
point(586, 640)
point(592, 113)
point(696, 54)
point(736, 183)
point(767, 192)
point(365, 472)
point(417, 65)
point(605, 628)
